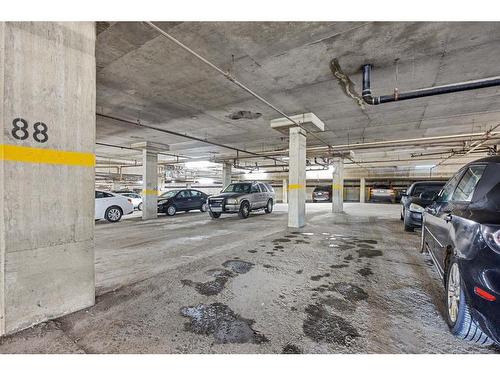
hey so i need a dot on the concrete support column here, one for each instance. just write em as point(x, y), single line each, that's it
point(285, 190)
point(47, 140)
point(362, 190)
point(150, 185)
point(226, 174)
point(297, 178)
point(338, 185)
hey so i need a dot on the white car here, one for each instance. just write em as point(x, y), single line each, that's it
point(111, 206)
point(136, 199)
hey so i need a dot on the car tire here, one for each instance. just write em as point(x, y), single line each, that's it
point(244, 211)
point(269, 206)
point(204, 207)
point(214, 215)
point(139, 207)
point(458, 315)
point(401, 215)
point(422, 239)
point(171, 210)
point(113, 214)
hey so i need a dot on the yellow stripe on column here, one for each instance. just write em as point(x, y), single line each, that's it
point(295, 186)
point(336, 186)
point(150, 192)
point(24, 154)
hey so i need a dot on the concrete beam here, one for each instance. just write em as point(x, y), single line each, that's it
point(362, 189)
point(226, 174)
point(285, 191)
point(338, 185)
point(47, 140)
point(297, 178)
point(150, 185)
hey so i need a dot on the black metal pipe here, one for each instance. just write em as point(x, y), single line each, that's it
point(420, 93)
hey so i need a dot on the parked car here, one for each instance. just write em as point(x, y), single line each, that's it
point(242, 198)
point(135, 198)
point(461, 232)
point(182, 200)
point(111, 206)
point(322, 194)
point(418, 196)
point(382, 193)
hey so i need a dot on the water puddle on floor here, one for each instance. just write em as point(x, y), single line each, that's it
point(238, 266)
point(222, 323)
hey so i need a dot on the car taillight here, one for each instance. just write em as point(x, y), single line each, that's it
point(484, 294)
point(491, 235)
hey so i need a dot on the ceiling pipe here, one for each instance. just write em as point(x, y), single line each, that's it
point(420, 93)
point(139, 124)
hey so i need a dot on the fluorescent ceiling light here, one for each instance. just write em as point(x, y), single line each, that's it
point(202, 164)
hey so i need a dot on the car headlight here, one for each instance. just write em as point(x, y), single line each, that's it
point(416, 208)
point(491, 235)
point(232, 201)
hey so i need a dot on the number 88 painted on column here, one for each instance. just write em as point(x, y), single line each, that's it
point(40, 135)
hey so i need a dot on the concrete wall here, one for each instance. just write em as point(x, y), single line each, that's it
point(46, 181)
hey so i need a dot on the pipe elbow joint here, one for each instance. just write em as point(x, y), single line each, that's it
point(370, 99)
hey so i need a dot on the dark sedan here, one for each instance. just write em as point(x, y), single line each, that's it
point(419, 195)
point(182, 200)
point(461, 232)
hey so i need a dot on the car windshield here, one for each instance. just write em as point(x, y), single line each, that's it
point(238, 188)
point(169, 194)
point(381, 187)
point(419, 189)
point(322, 188)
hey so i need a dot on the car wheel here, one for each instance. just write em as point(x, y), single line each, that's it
point(458, 314)
point(401, 215)
point(139, 207)
point(113, 214)
point(203, 207)
point(244, 211)
point(171, 210)
point(214, 215)
point(269, 206)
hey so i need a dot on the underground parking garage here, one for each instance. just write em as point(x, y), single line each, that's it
point(249, 187)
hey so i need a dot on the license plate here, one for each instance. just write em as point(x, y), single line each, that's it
point(216, 209)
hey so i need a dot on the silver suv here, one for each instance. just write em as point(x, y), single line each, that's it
point(241, 198)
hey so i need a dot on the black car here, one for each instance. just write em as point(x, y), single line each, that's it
point(461, 232)
point(418, 196)
point(182, 200)
point(322, 194)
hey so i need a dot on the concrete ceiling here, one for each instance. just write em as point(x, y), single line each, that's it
point(142, 75)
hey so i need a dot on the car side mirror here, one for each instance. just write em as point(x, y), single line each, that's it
point(428, 195)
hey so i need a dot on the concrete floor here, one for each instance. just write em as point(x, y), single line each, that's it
point(350, 283)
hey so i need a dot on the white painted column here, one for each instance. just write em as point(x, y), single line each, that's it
point(150, 185)
point(362, 189)
point(338, 185)
point(297, 178)
point(285, 190)
point(47, 142)
point(226, 174)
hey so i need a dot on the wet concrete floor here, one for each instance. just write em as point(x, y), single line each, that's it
point(349, 283)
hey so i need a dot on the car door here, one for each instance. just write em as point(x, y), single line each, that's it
point(434, 225)
point(263, 195)
point(183, 200)
point(255, 196)
point(196, 199)
point(102, 202)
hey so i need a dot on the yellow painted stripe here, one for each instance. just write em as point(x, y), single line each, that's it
point(295, 186)
point(24, 154)
point(337, 187)
point(150, 192)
